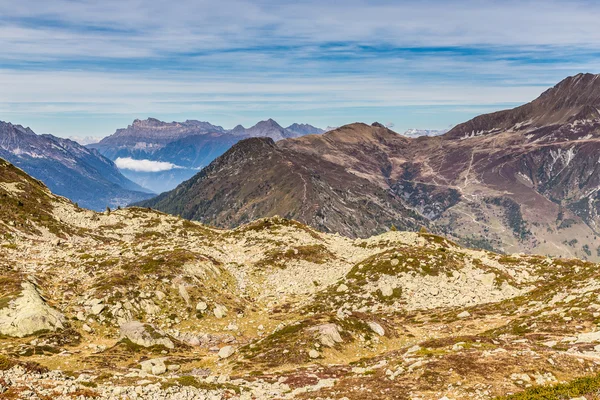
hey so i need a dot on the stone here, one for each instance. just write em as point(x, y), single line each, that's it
point(488, 279)
point(458, 346)
point(145, 335)
point(314, 354)
point(375, 327)
point(149, 307)
point(220, 311)
point(86, 328)
point(184, 294)
point(328, 334)
point(520, 377)
point(386, 290)
point(589, 337)
point(413, 349)
point(29, 313)
point(342, 288)
point(155, 367)
point(97, 309)
point(226, 352)
point(464, 314)
point(201, 306)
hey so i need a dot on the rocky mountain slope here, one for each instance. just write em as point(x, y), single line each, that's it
point(69, 169)
point(230, 192)
point(139, 304)
point(188, 145)
point(525, 179)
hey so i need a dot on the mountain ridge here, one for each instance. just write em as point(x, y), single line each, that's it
point(535, 184)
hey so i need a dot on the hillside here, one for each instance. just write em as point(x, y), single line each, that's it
point(521, 180)
point(230, 192)
point(136, 303)
point(69, 169)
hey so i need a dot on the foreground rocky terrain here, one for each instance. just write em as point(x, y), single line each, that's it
point(520, 180)
point(136, 304)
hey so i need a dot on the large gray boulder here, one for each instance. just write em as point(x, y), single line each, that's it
point(29, 313)
point(328, 334)
point(145, 335)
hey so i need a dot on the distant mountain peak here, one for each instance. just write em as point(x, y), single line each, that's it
point(269, 123)
point(304, 129)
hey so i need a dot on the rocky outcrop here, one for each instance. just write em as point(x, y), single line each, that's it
point(29, 313)
point(145, 335)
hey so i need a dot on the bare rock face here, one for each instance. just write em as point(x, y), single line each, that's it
point(145, 335)
point(29, 313)
point(328, 334)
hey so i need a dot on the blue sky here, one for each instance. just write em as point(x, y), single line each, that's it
point(85, 68)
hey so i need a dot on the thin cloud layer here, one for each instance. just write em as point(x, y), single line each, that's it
point(144, 165)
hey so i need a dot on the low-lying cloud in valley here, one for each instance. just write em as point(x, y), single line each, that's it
point(144, 165)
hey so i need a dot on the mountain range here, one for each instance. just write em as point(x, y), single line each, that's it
point(187, 146)
point(69, 169)
point(525, 179)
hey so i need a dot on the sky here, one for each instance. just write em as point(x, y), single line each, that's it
point(84, 68)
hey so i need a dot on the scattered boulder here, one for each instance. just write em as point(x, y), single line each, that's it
point(226, 352)
point(97, 309)
point(589, 337)
point(201, 306)
point(29, 313)
point(375, 327)
point(155, 367)
point(220, 311)
point(145, 335)
point(314, 354)
point(328, 334)
point(184, 294)
point(342, 288)
point(464, 314)
point(386, 290)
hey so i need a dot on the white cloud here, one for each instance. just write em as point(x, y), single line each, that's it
point(144, 165)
